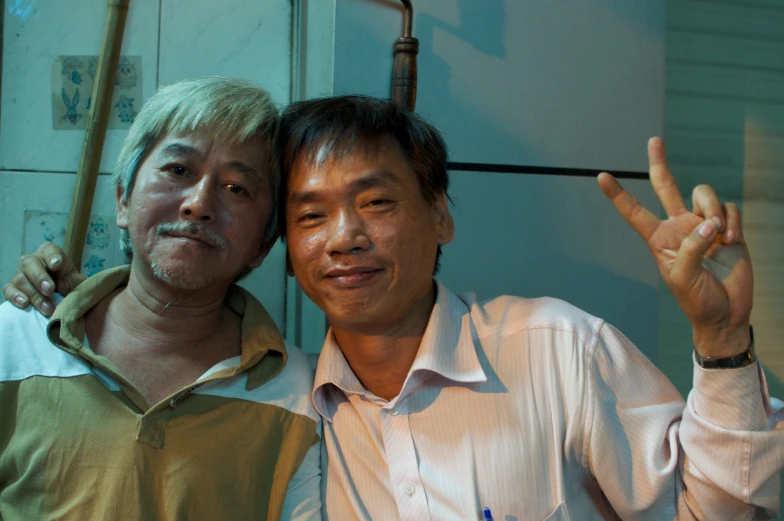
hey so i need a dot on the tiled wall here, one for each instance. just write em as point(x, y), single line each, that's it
point(176, 39)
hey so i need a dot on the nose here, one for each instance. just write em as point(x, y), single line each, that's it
point(347, 233)
point(200, 201)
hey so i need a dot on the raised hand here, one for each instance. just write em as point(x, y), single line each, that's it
point(39, 276)
point(701, 255)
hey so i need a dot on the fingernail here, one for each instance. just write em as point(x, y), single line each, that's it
point(730, 236)
point(719, 223)
point(46, 286)
point(21, 301)
point(54, 261)
point(46, 306)
point(707, 228)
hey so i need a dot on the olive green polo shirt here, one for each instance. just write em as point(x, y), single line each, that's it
point(78, 442)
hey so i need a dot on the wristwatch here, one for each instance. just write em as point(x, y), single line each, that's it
point(743, 359)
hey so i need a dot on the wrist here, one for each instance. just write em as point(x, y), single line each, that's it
point(722, 343)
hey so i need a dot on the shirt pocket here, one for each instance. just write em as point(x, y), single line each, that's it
point(559, 514)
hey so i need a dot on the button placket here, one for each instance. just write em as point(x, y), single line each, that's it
point(401, 458)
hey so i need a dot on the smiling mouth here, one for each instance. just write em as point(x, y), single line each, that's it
point(351, 278)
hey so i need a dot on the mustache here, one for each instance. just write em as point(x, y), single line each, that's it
point(194, 229)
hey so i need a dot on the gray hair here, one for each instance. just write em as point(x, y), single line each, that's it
point(232, 110)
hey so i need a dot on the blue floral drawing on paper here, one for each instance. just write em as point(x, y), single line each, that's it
point(98, 235)
point(93, 265)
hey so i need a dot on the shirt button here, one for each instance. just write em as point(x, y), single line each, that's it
point(409, 489)
point(393, 411)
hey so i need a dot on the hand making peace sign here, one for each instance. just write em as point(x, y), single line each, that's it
point(701, 254)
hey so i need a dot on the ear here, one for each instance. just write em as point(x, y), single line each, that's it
point(122, 208)
point(445, 225)
point(262, 253)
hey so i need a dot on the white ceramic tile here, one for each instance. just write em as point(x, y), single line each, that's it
point(22, 192)
point(36, 31)
point(229, 38)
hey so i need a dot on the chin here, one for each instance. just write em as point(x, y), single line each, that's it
point(181, 278)
point(356, 318)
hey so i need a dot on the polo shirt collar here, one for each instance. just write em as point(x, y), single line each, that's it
point(260, 335)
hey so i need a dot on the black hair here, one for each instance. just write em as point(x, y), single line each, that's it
point(339, 124)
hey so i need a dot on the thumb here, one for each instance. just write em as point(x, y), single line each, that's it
point(62, 270)
point(688, 261)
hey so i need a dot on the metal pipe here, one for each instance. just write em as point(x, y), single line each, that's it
point(404, 69)
point(408, 18)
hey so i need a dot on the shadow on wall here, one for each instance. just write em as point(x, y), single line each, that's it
point(365, 31)
point(482, 25)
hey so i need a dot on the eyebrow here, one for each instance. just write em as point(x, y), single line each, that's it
point(174, 150)
point(366, 182)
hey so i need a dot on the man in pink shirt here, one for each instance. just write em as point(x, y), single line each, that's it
point(437, 406)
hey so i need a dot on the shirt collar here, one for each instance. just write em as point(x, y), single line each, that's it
point(260, 335)
point(447, 349)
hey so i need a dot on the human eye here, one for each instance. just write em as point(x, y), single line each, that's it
point(310, 218)
point(378, 203)
point(236, 189)
point(177, 170)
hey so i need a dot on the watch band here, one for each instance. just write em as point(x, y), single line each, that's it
point(743, 359)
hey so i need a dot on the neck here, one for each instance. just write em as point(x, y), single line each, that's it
point(169, 319)
point(381, 359)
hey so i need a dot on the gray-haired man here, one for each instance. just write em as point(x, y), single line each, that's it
point(160, 390)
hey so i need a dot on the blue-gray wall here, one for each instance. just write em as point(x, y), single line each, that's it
point(546, 84)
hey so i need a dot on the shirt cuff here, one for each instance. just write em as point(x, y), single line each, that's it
point(732, 399)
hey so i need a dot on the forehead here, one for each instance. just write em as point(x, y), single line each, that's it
point(203, 145)
point(329, 165)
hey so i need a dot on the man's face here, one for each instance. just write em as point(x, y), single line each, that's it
point(362, 239)
point(198, 210)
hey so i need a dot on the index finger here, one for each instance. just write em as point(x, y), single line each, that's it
point(643, 221)
point(662, 179)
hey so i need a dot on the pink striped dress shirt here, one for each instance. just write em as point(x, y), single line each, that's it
point(539, 411)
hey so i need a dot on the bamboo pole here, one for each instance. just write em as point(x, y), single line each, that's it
point(97, 121)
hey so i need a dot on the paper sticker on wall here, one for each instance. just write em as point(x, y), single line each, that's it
point(101, 248)
point(72, 88)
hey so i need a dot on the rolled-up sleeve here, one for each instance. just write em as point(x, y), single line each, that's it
point(715, 457)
